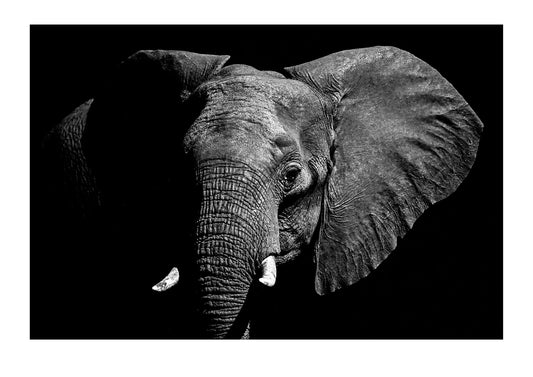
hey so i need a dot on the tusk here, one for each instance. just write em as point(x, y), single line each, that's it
point(171, 280)
point(268, 273)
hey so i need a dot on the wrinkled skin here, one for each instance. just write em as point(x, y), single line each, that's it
point(261, 182)
point(337, 160)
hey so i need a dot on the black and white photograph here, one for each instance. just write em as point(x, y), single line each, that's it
point(266, 182)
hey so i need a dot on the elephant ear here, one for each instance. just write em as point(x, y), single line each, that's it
point(404, 139)
point(136, 121)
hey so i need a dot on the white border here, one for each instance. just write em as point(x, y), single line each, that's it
point(20, 356)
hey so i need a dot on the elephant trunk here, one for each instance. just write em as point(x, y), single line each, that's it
point(234, 234)
point(224, 283)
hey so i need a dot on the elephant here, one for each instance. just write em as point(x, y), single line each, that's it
point(334, 159)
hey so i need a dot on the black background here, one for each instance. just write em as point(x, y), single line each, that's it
point(443, 281)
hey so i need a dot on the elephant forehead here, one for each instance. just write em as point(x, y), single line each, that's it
point(247, 115)
point(268, 104)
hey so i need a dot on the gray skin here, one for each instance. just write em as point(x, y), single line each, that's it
point(339, 158)
point(262, 181)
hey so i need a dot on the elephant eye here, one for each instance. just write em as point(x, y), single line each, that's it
point(290, 175)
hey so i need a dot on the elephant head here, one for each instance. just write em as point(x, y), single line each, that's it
point(338, 158)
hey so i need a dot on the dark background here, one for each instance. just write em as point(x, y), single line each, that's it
point(443, 281)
